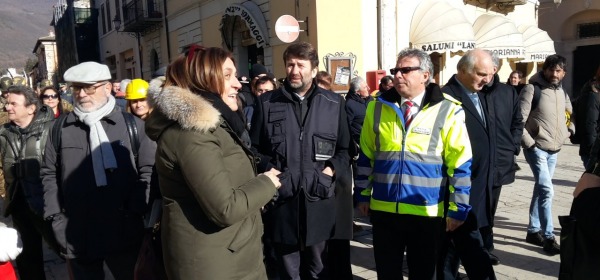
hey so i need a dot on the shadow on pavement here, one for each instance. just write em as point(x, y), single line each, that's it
point(523, 262)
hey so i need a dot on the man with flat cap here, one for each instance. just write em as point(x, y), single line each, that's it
point(95, 187)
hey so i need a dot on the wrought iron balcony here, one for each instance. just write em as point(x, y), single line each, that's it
point(141, 15)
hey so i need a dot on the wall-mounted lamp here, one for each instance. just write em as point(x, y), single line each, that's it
point(117, 22)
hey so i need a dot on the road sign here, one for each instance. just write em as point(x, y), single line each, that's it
point(287, 28)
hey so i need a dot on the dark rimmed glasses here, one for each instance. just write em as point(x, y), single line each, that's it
point(88, 89)
point(404, 70)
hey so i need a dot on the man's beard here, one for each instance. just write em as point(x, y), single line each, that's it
point(94, 107)
point(300, 87)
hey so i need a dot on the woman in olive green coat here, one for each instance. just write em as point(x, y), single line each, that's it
point(211, 224)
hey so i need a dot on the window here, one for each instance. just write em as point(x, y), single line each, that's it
point(108, 17)
point(588, 30)
point(117, 9)
point(103, 19)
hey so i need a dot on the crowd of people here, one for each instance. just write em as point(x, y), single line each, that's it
point(258, 179)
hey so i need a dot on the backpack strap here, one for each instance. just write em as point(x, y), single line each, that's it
point(55, 136)
point(132, 130)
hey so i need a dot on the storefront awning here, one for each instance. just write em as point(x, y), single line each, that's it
point(537, 42)
point(438, 27)
point(499, 35)
point(251, 14)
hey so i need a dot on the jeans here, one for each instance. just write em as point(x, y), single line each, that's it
point(542, 165)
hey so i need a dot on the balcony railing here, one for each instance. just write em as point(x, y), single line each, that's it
point(141, 15)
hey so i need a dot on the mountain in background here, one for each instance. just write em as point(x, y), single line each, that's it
point(22, 22)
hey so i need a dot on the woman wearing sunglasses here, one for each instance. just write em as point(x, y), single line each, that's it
point(51, 98)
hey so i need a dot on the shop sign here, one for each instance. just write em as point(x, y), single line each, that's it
point(252, 23)
point(447, 46)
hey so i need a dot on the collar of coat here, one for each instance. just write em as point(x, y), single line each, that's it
point(433, 95)
point(190, 110)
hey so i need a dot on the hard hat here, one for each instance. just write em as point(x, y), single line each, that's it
point(136, 89)
point(45, 83)
point(5, 83)
point(19, 81)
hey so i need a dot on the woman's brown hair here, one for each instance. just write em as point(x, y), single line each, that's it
point(199, 68)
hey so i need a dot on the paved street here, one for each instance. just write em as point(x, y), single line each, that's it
point(519, 260)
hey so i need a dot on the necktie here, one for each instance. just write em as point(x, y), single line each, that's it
point(477, 103)
point(407, 112)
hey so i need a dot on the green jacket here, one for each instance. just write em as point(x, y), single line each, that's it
point(211, 223)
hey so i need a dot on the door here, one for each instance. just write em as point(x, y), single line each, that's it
point(585, 64)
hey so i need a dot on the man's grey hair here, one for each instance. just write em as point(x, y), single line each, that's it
point(356, 82)
point(495, 58)
point(467, 62)
point(424, 60)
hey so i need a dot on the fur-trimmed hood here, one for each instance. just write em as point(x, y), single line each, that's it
point(174, 104)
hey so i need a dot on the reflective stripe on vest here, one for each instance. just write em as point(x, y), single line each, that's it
point(408, 170)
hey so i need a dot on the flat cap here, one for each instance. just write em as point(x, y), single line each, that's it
point(87, 73)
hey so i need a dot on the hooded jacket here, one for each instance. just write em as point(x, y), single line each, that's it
point(545, 127)
point(211, 223)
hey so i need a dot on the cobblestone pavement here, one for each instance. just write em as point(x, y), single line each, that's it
point(518, 260)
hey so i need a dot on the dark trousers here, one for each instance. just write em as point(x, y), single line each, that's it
point(487, 232)
point(466, 245)
point(306, 263)
point(121, 266)
point(339, 265)
point(30, 263)
point(419, 236)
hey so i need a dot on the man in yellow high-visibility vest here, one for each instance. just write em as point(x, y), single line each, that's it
point(415, 140)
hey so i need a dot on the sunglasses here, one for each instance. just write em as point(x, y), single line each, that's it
point(404, 70)
point(45, 96)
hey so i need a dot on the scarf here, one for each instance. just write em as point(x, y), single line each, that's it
point(103, 156)
point(235, 119)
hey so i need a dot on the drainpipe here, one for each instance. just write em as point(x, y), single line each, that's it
point(166, 23)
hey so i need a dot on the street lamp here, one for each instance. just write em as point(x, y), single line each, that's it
point(117, 25)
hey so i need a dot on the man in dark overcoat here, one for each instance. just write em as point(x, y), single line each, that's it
point(95, 189)
point(506, 129)
point(475, 69)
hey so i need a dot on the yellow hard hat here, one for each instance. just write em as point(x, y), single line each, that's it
point(136, 89)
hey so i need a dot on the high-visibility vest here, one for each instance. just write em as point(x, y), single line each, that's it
point(412, 169)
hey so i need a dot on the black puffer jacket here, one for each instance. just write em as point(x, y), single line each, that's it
point(22, 151)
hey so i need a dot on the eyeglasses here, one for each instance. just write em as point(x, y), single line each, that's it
point(88, 89)
point(45, 96)
point(404, 70)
